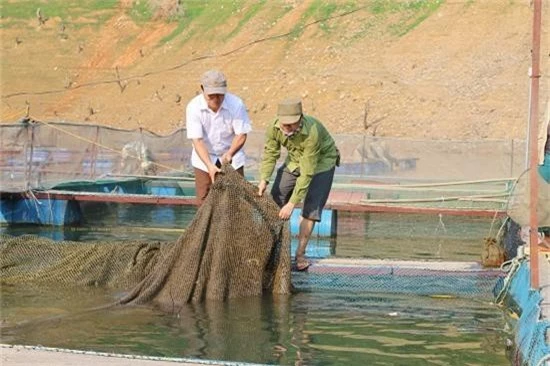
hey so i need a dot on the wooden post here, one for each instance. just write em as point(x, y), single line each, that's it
point(29, 155)
point(93, 155)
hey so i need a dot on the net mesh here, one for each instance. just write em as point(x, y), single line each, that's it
point(532, 330)
point(519, 204)
point(236, 246)
point(41, 155)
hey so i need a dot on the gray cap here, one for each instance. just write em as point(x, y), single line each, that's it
point(214, 82)
point(289, 111)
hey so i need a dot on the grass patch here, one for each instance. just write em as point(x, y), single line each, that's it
point(141, 11)
point(322, 10)
point(176, 32)
point(101, 4)
point(378, 7)
point(250, 13)
point(215, 14)
point(53, 8)
point(413, 13)
point(276, 13)
point(420, 11)
point(66, 10)
point(203, 16)
point(190, 13)
point(365, 30)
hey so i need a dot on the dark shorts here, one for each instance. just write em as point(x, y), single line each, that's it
point(316, 196)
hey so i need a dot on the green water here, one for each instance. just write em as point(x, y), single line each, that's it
point(314, 328)
point(319, 325)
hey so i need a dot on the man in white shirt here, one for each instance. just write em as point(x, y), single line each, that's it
point(217, 123)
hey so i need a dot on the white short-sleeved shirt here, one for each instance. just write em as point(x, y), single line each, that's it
point(217, 129)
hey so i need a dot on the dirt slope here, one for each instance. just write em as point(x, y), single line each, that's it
point(460, 73)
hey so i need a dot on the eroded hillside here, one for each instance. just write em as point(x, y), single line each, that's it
point(420, 69)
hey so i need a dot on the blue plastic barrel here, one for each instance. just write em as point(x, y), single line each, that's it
point(6, 211)
point(325, 228)
point(46, 212)
point(164, 191)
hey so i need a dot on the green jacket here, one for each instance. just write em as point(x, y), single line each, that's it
point(311, 149)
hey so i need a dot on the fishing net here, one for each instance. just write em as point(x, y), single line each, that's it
point(518, 208)
point(236, 246)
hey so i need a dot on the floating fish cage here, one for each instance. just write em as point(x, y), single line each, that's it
point(395, 275)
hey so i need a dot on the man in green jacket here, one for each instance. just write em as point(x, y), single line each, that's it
point(307, 172)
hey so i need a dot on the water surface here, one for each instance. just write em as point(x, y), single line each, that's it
point(312, 328)
point(323, 324)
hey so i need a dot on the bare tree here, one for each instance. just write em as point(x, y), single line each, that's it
point(374, 125)
point(41, 19)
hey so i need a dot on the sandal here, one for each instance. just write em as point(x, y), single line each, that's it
point(302, 264)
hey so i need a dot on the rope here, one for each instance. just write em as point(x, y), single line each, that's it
point(492, 224)
point(161, 177)
point(195, 59)
point(510, 267)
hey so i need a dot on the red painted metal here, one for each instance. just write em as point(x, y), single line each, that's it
point(93, 154)
point(350, 206)
point(359, 207)
point(533, 147)
point(117, 198)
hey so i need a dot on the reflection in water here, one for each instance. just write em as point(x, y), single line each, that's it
point(305, 328)
point(359, 235)
point(380, 236)
point(247, 329)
